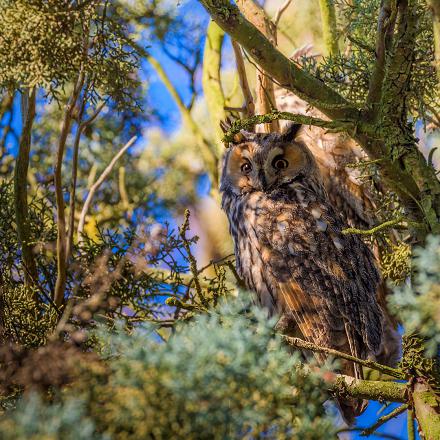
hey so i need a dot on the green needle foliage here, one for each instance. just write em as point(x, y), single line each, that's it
point(419, 305)
point(223, 376)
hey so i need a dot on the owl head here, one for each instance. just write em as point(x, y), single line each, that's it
point(265, 162)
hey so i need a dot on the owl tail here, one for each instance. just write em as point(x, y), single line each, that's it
point(349, 406)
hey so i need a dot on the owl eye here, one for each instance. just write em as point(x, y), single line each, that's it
point(280, 164)
point(246, 168)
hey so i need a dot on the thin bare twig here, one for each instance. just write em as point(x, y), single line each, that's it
point(280, 12)
point(244, 84)
point(382, 420)
point(82, 126)
point(98, 183)
point(265, 90)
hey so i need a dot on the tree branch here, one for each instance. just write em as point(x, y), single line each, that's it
point(382, 420)
point(283, 70)
point(82, 126)
point(20, 187)
point(207, 151)
point(249, 105)
point(98, 183)
point(385, 28)
point(299, 343)
point(369, 389)
point(60, 284)
point(245, 124)
point(264, 86)
point(280, 12)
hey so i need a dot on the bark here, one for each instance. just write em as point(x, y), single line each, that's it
point(20, 189)
point(426, 410)
point(382, 391)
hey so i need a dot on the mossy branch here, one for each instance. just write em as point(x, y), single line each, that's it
point(299, 343)
point(383, 226)
point(245, 124)
point(381, 391)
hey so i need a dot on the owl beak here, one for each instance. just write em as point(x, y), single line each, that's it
point(262, 180)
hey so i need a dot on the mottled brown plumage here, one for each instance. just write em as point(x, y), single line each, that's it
point(290, 249)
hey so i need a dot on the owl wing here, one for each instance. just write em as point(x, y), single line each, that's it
point(335, 154)
point(326, 280)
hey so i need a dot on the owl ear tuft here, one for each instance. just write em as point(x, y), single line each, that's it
point(291, 132)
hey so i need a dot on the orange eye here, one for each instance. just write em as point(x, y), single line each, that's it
point(280, 164)
point(246, 168)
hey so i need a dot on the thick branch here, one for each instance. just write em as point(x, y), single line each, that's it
point(329, 27)
point(426, 410)
point(369, 389)
point(385, 27)
point(211, 81)
point(20, 187)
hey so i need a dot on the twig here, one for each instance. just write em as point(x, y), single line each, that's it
point(280, 12)
point(377, 434)
point(382, 420)
point(381, 227)
point(59, 196)
point(299, 343)
point(82, 126)
point(244, 84)
point(98, 183)
point(192, 260)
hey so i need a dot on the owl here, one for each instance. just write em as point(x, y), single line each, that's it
point(290, 249)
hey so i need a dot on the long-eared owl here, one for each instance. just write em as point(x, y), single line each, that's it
point(290, 249)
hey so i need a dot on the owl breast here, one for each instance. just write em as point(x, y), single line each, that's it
point(291, 252)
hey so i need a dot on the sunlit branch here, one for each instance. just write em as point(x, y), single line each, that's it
point(98, 183)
